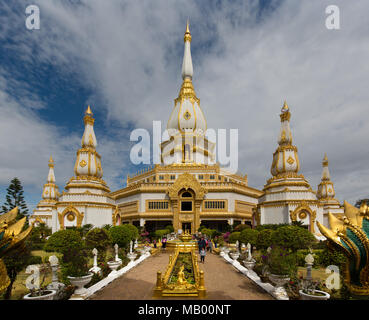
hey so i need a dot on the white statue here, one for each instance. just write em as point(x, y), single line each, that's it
point(95, 268)
point(136, 244)
point(116, 253)
point(130, 246)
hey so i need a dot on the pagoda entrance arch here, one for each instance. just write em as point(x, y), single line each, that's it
point(186, 196)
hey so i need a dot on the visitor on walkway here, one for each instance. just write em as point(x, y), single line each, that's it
point(154, 243)
point(202, 255)
point(211, 246)
point(202, 244)
point(164, 243)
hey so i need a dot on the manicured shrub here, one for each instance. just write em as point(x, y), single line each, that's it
point(64, 240)
point(74, 261)
point(161, 233)
point(241, 227)
point(248, 236)
point(293, 237)
point(100, 239)
point(270, 226)
point(264, 239)
point(169, 228)
point(123, 235)
point(209, 232)
point(234, 236)
point(280, 261)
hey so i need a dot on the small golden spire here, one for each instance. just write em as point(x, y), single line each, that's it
point(187, 36)
point(285, 115)
point(51, 162)
point(325, 160)
point(88, 111)
point(285, 107)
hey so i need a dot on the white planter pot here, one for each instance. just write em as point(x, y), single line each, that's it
point(249, 264)
point(132, 256)
point(49, 296)
point(80, 282)
point(279, 281)
point(234, 255)
point(113, 265)
point(323, 295)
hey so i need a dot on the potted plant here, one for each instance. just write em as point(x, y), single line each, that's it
point(41, 292)
point(281, 265)
point(77, 271)
point(309, 290)
point(234, 254)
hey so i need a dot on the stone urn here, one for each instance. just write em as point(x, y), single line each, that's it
point(113, 265)
point(47, 295)
point(234, 255)
point(132, 256)
point(279, 280)
point(80, 282)
point(249, 264)
point(318, 295)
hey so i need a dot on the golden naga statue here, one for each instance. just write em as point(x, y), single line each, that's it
point(350, 235)
point(11, 238)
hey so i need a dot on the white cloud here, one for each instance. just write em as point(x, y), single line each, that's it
point(130, 53)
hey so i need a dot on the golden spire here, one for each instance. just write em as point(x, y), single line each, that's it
point(187, 36)
point(325, 161)
point(88, 111)
point(285, 112)
point(51, 162)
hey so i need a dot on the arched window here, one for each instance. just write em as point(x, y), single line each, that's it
point(186, 194)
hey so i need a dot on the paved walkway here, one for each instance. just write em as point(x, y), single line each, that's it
point(222, 281)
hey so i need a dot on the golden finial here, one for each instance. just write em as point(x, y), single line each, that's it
point(51, 162)
point(325, 160)
point(88, 111)
point(285, 115)
point(285, 107)
point(187, 36)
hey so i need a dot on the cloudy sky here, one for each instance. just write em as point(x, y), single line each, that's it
point(124, 58)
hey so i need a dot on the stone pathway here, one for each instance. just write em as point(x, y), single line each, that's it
point(222, 281)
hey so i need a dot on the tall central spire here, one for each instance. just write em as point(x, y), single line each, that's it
point(187, 68)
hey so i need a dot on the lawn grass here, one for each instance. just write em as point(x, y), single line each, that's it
point(19, 286)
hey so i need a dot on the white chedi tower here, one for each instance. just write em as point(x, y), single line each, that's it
point(186, 127)
point(287, 195)
point(87, 199)
point(326, 194)
point(50, 196)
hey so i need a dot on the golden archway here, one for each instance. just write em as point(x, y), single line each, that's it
point(301, 212)
point(70, 209)
point(186, 183)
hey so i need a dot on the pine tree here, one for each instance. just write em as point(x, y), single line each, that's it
point(14, 198)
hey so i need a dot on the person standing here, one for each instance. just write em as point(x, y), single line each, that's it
point(211, 246)
point(202, 255)
point(164, 243)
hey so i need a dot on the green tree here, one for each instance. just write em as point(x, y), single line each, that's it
point(234, 236)
point(123, 234)
point(248, 236)
point(293, 237)
point(241, 227)
point(64, 241)
point(14, 198)
point(15, 261)
point(264, 239)
point(100, 239)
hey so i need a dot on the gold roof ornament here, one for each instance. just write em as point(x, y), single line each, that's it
point(51, 162)
point(88, 111)
point(187, 36)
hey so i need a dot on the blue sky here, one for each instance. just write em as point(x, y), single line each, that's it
point(124, 58)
